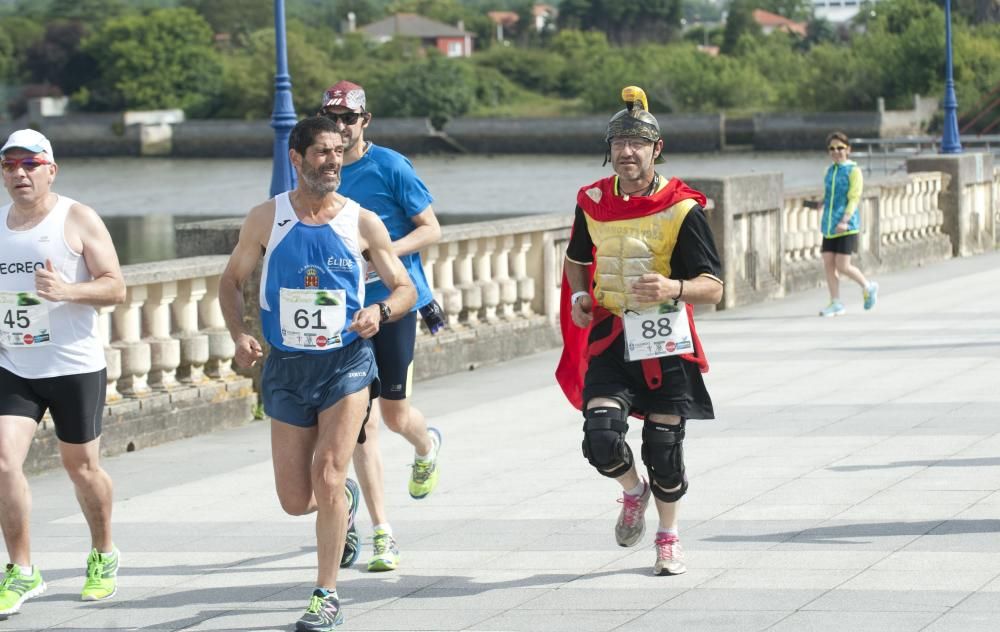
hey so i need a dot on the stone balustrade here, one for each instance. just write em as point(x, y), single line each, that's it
point(498, 270)
point(169, 331)
point(895, 210)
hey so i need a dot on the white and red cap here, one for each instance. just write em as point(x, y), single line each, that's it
point(30, 140)
point(345, 94)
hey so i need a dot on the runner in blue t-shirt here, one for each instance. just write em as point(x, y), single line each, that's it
point(383, 181)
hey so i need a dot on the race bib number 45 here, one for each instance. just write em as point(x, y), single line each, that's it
point(24, 320)
point(661, 330)
point(312, 319)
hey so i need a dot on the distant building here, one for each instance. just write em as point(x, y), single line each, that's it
point(838, 11)
point(544, 16)
point(453, 41)
point(503, 20)
point(771, 22)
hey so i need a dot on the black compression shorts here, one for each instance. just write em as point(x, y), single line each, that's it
point(76, 402)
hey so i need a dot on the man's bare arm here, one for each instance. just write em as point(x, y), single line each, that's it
point(427, 232)
point(108, 284)
point(246, 254)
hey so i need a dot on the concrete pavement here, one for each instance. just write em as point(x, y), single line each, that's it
point(850, 482)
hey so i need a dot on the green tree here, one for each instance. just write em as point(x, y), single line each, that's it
point(534, 69)
point(8, 68)
point(236, 17)
point(437, 88)
point(739, 24)
point(89, 11)
point(818, 31)
point(57, 58)
point(163, 60)
point(21, 34)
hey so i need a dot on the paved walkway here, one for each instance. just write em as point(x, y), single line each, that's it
point(850, 482)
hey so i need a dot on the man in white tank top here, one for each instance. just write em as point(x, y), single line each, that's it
point(58, 265)
point(320, 375)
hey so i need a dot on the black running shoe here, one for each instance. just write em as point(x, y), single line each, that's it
point(323, 613)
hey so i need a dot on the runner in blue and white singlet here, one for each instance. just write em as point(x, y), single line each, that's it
point(311, 283)
point(320, 375)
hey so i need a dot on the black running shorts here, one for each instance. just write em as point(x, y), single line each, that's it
point(682, 392)
point(76, 402)
point(394, 356)
point(846, 245)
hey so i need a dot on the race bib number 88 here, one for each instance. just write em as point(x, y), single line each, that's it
point(658, 331)
point(312, 319)
point(24, 320)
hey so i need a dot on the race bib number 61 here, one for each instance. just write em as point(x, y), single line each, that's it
point(661, 330)
point(24, 320)
point(312, 319)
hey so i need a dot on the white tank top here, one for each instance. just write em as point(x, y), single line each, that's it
point(76, 346)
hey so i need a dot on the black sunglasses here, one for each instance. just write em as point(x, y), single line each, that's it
point(347, 118)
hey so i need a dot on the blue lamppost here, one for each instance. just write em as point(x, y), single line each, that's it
point(950, 142)
point(283, 116)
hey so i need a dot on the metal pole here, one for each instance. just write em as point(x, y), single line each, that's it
point(950, 141)
point(283, 116)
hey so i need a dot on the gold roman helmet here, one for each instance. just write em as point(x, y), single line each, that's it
point(635, 120)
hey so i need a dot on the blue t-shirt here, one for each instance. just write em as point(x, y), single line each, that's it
point(384, 182)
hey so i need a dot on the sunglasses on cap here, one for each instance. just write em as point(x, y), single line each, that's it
point(347, 118)
point(30, 163)
point(837, 147)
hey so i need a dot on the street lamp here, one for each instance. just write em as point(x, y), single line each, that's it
point(283, 116)
point(950, 142)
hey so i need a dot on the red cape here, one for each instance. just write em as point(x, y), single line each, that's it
point(608, 207)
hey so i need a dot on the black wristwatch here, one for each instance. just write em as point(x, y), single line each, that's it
point(384, 312)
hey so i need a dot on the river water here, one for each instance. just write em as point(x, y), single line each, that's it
point(141, 199)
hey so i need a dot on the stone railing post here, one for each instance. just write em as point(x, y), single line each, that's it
point(135, 354)
point(194, 344)
point(112, 355)
point(165, 351)
point(221, 348)
point(472, 294)
point(968, 216)
point(554, 243)
point(501, 274)
point(525, 283)
point(484, 278)
point(451, 297)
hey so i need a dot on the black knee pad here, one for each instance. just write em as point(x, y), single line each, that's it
point(663, 454)
point(604, 442)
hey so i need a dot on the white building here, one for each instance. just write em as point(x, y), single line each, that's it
point(838, 11)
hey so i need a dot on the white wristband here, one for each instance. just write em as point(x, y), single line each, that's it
point(576, 296)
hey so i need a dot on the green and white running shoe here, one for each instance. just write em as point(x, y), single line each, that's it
point(323, 613)
point(386, 553)
point(15, 588)
point(424, 475)
point(102, 576)
point(352, 543)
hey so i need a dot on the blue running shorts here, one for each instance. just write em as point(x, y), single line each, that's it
point(296, 386)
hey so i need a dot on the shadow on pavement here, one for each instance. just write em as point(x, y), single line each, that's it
point(840, 534)
point(977, 462)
